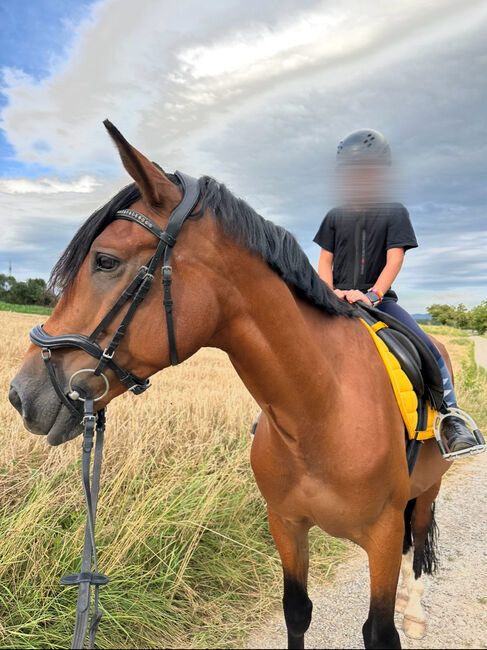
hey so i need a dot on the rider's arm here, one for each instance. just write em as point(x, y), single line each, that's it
point(325, 267)
point(394, 260)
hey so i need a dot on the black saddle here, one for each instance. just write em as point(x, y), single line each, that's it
point(414, 356)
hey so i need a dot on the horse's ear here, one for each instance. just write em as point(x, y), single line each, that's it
point(154, 185)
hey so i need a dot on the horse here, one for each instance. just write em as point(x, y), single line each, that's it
point(329, 446)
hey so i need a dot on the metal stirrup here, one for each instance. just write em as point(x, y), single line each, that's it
point(468, 420)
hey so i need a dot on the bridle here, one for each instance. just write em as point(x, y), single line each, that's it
point(93, 421)
point(135, 291)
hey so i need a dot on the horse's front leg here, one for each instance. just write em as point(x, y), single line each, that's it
point(383, 543)
point(291, 539)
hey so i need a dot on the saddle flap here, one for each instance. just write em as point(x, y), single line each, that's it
point(406, 354)
point(430, 371)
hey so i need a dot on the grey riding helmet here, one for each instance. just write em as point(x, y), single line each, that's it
point(363, 147)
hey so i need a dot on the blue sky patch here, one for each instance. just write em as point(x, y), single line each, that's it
point(35, 35)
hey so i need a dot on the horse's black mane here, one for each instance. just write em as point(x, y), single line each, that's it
point(278, 247)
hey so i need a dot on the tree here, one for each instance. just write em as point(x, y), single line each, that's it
point(462, 316)
point(6, 284)
point(28, 292)
point(478, 318)
point(33, 291)
point(443, 314)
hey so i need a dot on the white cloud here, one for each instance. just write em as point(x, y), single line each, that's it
point(168, 76)
point(263, 44)
point(83, 185)
point(256, 94)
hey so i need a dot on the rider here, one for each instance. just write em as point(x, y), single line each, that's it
point(363, 244)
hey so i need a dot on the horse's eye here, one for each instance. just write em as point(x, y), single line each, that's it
point(106, 263)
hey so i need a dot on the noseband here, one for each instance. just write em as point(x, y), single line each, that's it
point(135, 292)
point(95, 422)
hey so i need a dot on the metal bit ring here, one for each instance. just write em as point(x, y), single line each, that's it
point(74, 395)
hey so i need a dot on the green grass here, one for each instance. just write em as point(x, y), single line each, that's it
point(470, 379)
point(191, 562)
point(445, 330)
point(25, 309)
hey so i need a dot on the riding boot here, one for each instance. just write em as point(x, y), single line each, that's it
point(456, 434)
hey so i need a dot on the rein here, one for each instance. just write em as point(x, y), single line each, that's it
point(87, 578)
point(94, 422)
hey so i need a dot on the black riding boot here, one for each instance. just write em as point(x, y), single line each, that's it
point(456, 434)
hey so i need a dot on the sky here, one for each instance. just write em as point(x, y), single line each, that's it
point(257, 94)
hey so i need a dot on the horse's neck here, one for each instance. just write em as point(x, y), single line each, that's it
point(273, 344)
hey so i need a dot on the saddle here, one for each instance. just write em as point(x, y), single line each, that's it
point(415, 358)
point(414, 373)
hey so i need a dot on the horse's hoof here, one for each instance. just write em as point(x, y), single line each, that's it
point(414, 627)
point(401, 603)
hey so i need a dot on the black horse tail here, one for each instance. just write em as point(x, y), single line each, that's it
point(424, 540)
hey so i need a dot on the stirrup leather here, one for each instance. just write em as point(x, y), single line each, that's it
point(474, 430)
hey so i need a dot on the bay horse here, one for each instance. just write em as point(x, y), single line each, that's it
point(329, 447)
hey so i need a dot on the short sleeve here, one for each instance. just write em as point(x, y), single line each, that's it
point(325, 237)
point(400, 231)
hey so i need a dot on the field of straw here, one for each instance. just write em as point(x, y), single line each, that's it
point(181, 530)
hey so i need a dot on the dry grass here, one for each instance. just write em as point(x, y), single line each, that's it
point(182, 530)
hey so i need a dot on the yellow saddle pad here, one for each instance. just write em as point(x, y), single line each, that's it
point(407, 399)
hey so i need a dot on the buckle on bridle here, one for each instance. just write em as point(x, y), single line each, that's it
point(137, 389)
point(47, 356)
point(107, 355)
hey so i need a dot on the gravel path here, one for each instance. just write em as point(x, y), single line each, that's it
point(455, 600)
point(480, 350)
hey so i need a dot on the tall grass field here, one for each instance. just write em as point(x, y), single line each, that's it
point(181, 530)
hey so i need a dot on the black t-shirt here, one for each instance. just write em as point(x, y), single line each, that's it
point(359, 240)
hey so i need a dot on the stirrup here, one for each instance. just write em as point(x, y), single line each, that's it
point(474, 430)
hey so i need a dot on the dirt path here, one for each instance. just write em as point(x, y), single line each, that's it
point(480, 350)
point(455, 600)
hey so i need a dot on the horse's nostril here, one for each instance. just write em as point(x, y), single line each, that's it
point(15, 400)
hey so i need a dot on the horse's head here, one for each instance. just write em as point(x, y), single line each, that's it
point(100, 263)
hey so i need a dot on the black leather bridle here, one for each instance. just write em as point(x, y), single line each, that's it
point(135, 291)
point(93, 421)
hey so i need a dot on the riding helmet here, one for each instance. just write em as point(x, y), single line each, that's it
point(364, 146)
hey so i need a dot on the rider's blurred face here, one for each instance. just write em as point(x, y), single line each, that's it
point(362, 184)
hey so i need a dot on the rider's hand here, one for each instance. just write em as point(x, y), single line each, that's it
point(355, 295)
point(339, 293)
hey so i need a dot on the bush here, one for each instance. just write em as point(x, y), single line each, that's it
point(460, 316)
point(33, 291)
point(442, 314)
point(478, 317)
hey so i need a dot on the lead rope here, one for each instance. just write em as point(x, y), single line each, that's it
point(86, 578)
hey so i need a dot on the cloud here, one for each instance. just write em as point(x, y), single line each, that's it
point(244, 52)
point(258, 95)
point(153, 71)
point(83, 185)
